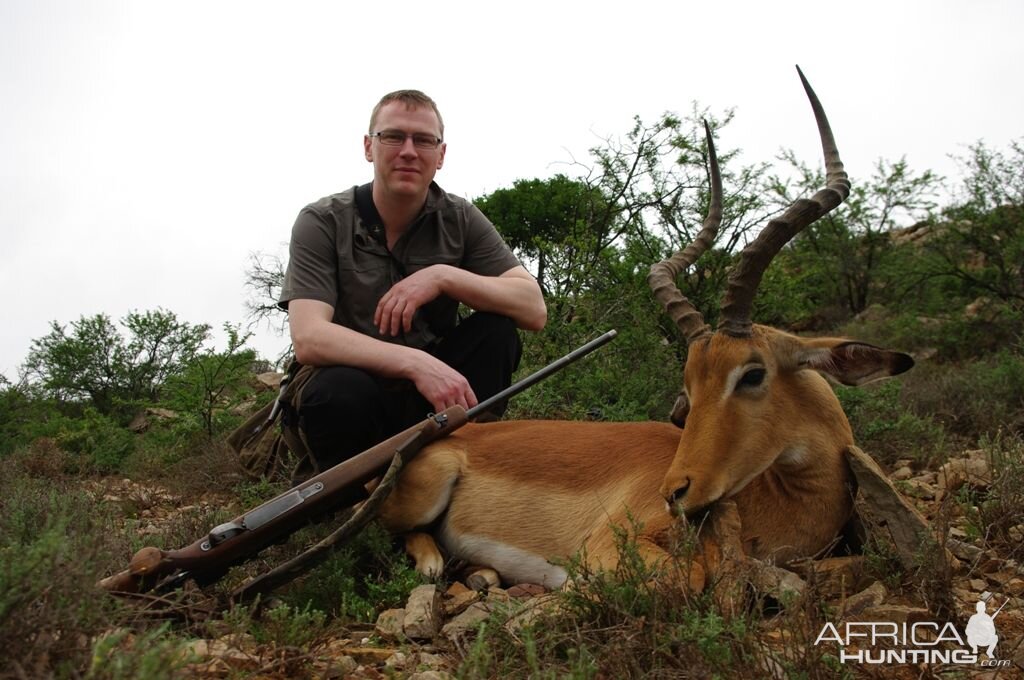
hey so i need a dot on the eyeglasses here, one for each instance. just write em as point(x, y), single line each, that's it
point(397, 138)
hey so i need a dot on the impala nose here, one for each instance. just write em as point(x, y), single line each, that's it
point(677, 495)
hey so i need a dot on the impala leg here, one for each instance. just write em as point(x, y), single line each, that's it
point(425, 553)
point(421, 494)
point(660, 562)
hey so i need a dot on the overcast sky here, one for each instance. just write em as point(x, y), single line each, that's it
point(147, 148)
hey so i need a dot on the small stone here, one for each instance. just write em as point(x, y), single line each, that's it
point(495, 594)
point(431, 661)
point(895, 613)
point(872, 596)
point(1015, 587)
point(341, 666)
point(458, 603)
point(422, 613)
point(389, 624)
point(227, 650)
point(270, 379)
point(781, 584)
point(525, 591)
point(974, 471)
point(468, 621)
point(139, 423)
point(990, 566)
point(199, 648)
point(456, 588)
point(963, 550)
point(834, 576)
point(901, 473)
point(916, 488)
point(373, 656)
point(529, 611)
point(396, 660)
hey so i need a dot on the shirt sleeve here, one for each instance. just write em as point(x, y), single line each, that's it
point(312, 272)
point(486, 252)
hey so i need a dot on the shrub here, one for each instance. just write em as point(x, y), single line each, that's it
point(362, 578)
point(155, 655)
point(997, 510)
point(54, 545)
point(102, 444)
point(886, 428)
point(974, 399)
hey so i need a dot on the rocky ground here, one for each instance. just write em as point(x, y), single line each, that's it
point(425, 639)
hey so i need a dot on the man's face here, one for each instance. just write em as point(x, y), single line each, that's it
point(404, 170)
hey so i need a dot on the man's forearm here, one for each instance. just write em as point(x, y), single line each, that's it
point(514, 295)
point(329, 344)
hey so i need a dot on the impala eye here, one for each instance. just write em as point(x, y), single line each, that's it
point(752, 378)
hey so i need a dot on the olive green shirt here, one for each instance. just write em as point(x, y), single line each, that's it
point(339, 255)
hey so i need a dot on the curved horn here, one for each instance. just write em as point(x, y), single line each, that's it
point(662, 277)
point(755, 258)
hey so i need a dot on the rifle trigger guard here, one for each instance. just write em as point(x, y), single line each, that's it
point(221, 533)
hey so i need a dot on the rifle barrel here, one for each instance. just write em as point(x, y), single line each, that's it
point(536, 377)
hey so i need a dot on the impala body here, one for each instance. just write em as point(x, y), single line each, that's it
point(760, 425)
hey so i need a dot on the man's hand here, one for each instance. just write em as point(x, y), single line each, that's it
point(395, 310)
point(442, 385)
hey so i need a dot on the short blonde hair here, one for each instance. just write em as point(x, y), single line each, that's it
point(412, 99)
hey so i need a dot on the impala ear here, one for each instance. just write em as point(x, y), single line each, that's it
point(680, 410)
point(853, 363)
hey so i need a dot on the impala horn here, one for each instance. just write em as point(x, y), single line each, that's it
point(662, 277)
point(755, 258)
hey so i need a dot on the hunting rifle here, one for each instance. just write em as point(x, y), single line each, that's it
point(341, 486)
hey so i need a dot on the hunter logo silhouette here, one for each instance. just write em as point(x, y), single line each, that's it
point(981, 629)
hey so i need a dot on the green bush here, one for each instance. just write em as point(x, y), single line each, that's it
point(155, 655)
point(102, 444)
point(631, 623)
point(285, 626)
point(887, 429)
point(635, 377)
point(994, 511)
point(361, 579)
point(55, 543)
point(948, 338)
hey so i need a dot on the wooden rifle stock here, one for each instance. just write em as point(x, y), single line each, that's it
point(341, 486)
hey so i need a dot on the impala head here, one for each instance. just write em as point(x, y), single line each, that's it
point(754, 396)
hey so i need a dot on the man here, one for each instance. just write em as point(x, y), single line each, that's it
point(375, 277)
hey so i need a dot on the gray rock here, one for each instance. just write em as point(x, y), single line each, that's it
point(390, 624)
point(468, 621)
point(872, 596)
point(422, 613)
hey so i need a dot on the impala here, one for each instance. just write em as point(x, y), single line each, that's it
point(760, 425)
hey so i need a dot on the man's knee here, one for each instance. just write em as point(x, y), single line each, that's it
point(340, 414)
point(337, 389)
point(492, 327)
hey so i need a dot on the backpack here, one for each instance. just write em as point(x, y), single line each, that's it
point(270, 444)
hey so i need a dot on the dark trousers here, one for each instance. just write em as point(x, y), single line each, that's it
point(346, 410)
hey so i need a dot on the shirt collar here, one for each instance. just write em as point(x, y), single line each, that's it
point(437, 200)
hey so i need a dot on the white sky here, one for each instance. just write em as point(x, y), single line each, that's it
point(146, 149)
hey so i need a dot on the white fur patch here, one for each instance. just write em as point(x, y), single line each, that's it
point(735, 375)
point(793, 455)
point(513, 564)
